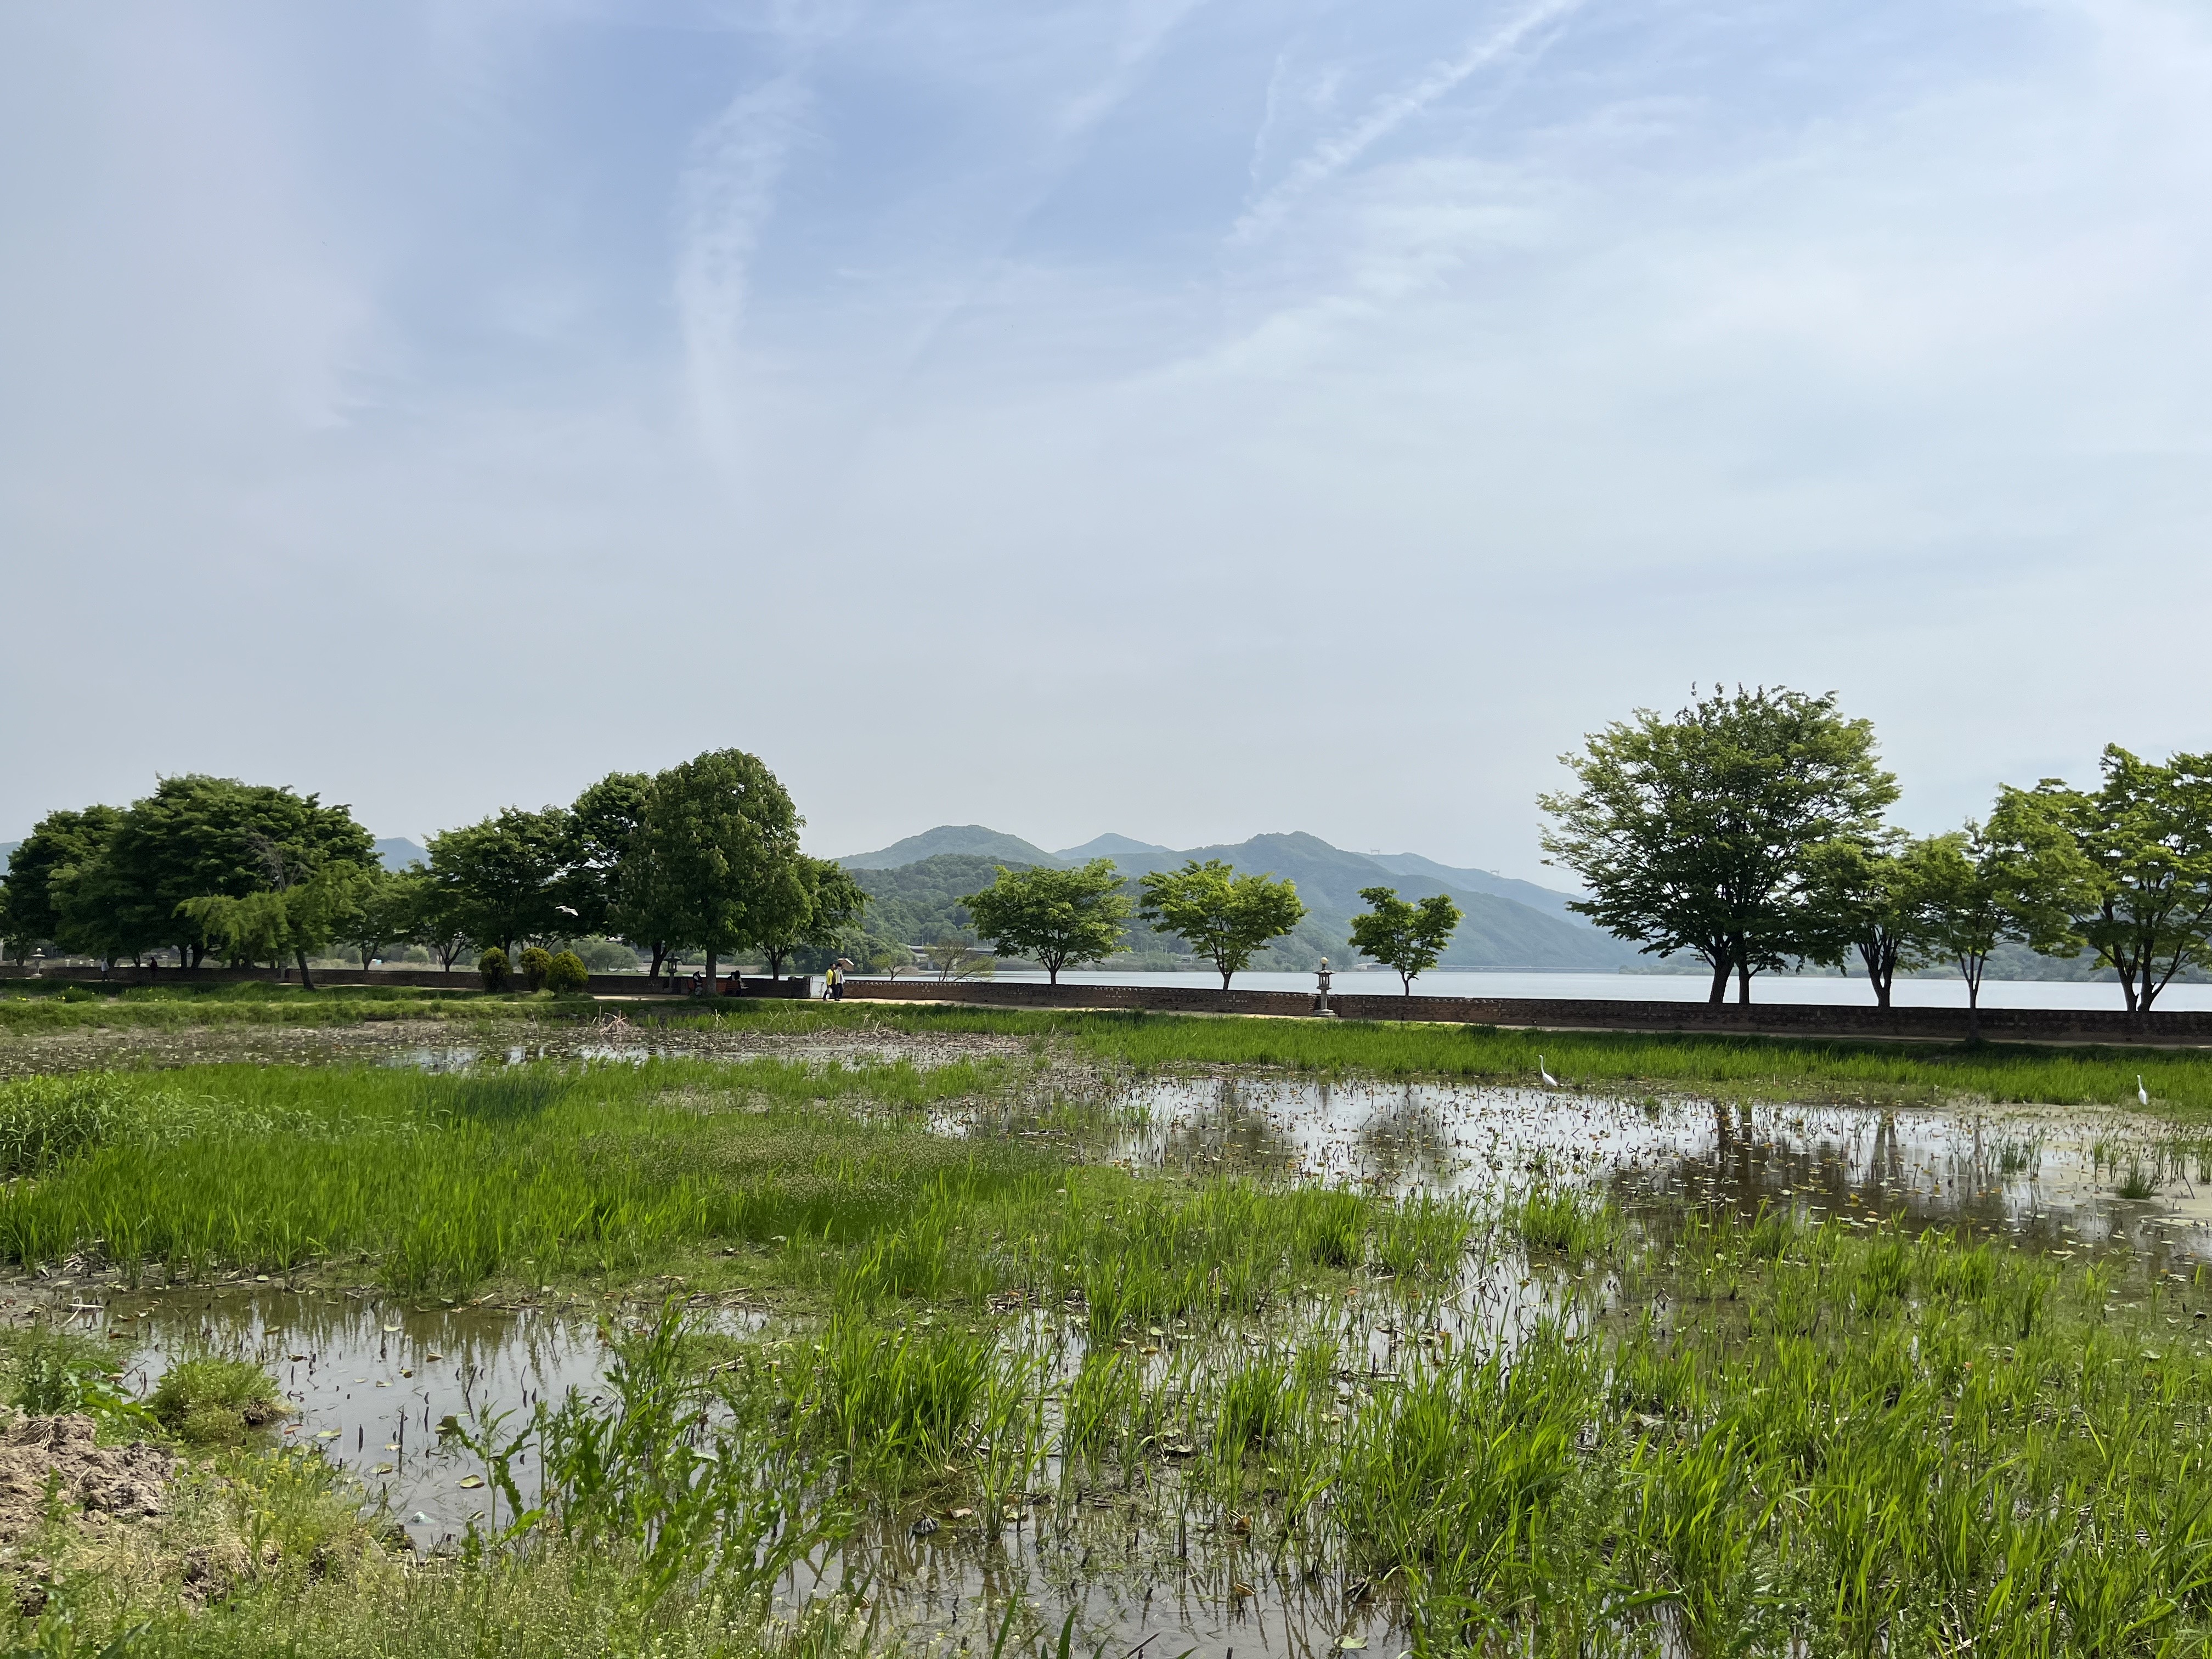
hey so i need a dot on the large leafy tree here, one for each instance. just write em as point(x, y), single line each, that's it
point(1219, 913)
point(202, 837)
point(1058, 917)
point(2123, 870)
point(1866, 902)
point(42, 869)
point(503, 878)
point(603, 824)
point(1973, 899)
point(1408, 937)
point(718, 846)
point(1695, 833)
point(827, 914)
point(300, 908)
point(386, 909)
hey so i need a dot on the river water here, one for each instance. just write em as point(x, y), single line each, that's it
point(1949, 992)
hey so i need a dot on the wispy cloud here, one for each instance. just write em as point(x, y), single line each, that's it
point(1326, 160)
point(728, 193)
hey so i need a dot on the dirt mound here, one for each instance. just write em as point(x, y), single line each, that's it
point(43, 1455)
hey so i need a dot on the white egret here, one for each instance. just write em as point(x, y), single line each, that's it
point(2142, 1093)
point(1551, 1082)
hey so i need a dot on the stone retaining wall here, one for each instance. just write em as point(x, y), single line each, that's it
point(1577, 1013)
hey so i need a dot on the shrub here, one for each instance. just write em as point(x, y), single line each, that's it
point(491, 967)
point(534, 963)
point(213, 1402)
point(566, 974)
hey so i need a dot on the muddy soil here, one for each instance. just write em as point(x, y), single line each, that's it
point(440, 1043)
point(40, 1455)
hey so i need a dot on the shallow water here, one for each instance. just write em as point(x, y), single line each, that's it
point(2041, 1176)
point(370, 1378)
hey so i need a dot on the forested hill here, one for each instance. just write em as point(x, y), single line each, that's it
point(919, 902)
point(1499, 930)
point(970, 840)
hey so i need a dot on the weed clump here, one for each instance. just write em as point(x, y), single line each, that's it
point(215, 1402)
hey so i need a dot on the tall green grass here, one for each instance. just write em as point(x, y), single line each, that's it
point(441, 1182)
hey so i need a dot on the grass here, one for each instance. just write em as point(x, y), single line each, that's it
point(32, 1006)
point(1543, 1425)
point(215, 1399)
point(441, 1182)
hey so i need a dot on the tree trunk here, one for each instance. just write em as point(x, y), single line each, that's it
point(713, 961)
point(1974, 1010)
point(1743, 981)
point(659, 951)
point(305, 978)
point(1052, 973)
point(1721, 968)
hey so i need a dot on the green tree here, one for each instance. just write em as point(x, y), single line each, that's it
point(501, 879)
point(1219, 913)
point(301, 907)
point(386, 910)
point(195, 837)
point(1695, 833)
point(1867, 900)
point(40, 871)
point(828, 911)
point(721, 840)
point(602, 825)
point(1057, 917)
point(1971, 901)
point(2124, 871)
point(1408, 938)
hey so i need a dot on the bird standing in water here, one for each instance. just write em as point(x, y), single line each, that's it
point(1551, 1082)
point(2142, 1093)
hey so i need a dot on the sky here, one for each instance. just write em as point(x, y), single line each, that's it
point(1186, 418)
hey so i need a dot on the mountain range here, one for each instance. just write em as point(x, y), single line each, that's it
point(1508, 923)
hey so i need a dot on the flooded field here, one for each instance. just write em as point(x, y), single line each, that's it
point(1580, 1213)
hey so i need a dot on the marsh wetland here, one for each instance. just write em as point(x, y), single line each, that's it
point(816, 1329)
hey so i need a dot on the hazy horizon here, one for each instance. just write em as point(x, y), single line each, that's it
point(1186, 412)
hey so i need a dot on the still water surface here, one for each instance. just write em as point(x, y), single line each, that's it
point(1665, 988)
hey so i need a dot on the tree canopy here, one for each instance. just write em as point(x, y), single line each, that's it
point(1059, 917)
point(1695, 833)
point(2123, 870)
point(1218, 914)
point(1408, 938)
point(721, 838)
point(502, 878)
point(41, 872)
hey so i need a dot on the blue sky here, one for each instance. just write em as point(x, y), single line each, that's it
point(1187, 419)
